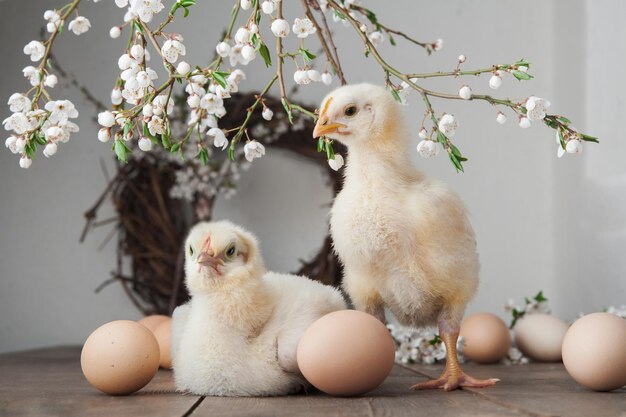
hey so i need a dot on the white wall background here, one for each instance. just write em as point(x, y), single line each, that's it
point(542, 223)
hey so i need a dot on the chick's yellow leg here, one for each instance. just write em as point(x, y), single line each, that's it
point(453, 376)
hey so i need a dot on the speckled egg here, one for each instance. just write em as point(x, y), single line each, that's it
point(120, 357)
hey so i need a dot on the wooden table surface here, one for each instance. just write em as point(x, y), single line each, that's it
point(49, 382)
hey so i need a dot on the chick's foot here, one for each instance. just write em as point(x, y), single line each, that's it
point(449, 381)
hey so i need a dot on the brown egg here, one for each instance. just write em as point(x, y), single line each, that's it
point(120, 357)
point(152, 322)
point(594, 351)
point(163, 334)
point(540, 336)
point(486, 338)
point(346, 353)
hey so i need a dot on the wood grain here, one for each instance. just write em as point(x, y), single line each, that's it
point(49, 382)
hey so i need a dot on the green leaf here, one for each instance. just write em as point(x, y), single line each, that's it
point(287, 109)
point(435, 340)
point(441, 138)
point(320, 144)
point(395, 95)
point(121, 150)
point(392, 40)
point(339, 14)
point(561, 139)
point(175, 147)
point(306, 54)
point(456, 162)
point(41, 139)
point(165, 140)
point(231, 151)
point(589, 138)
point(521, 75)
point(330, 152)
point(204, 156)
point(257, 17)
point(265, 53)
point(219, 78)
point(540, 297)
point(564, 120)
point(522, 62)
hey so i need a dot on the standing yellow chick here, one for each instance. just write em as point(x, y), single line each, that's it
point(405, 241)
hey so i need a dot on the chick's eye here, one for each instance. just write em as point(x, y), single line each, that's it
point(230, 252)
point(190, 250)
point(350, 111)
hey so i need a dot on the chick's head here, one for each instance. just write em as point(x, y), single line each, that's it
point(220, 255)
point(359, 114)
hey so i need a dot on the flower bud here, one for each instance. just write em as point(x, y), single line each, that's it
point(104, 134)
point(145, 144)
point(465, 92)
point(267, 113)
point(222, 49)
point(524, 122)
point(183, 68)
point(336, 163)
point(50, 149)
point(115, 32)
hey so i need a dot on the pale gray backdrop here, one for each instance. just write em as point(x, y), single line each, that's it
point(542, 223)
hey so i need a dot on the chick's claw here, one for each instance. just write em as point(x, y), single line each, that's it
point(453, 380)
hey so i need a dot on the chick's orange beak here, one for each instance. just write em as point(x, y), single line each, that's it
point(205, 259)
point(323, 127)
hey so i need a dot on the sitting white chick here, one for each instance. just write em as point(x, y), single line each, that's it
point(239, 333)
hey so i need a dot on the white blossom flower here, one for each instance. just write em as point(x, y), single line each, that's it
point(522, 68)
point(423, 133)
point(222, 49)
point(211, 103)
point(427, 148)
point(376, 38)
point(115, 32)
point(248, 53)
point(55, 134)
point(245, 4)
point(19, 103)
point(267, 113)
point(61, 110)
point(303, 27)
point(137, 51)
point(280, 28)
point(237, 76)
point(106, 119)
point(20, 145)
point(253, 27)
point(536, 108)
point(524, 122)
point(574, 146)
point(116, 96)
point(159, 104)
point(125, 62)
point(501, 118)
point(35, 49)
point(121, 3)
point(79, 25)
point(145, 9)
point(448, 125)
point(50, 149)
point(172, 49)
point(54, 20)
point(156, 126)
point(301, 77)
point(25, 162)
point(242, 35)
point(193, 101)
point(32, 74)
point(17, 122)
point(465, 92)
point(267, 6)
point(462, 58)
point(219, 138)
point(438, 45)
point(144, 144)
point(183, 68)
point(327, 79)
point(495, 81)
point(314, 75)
point(336, 163)
point(51, 80)
point(143, 79)
point(104, 134)
point(253, 150)
point(235, 56)
point(10, 143)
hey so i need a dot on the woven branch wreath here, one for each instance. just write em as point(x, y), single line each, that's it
point(152, 225)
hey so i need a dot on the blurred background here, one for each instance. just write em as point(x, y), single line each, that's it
point(542, 223)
